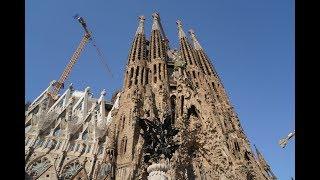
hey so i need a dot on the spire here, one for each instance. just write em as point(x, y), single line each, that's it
point(257, 151)
point(207, 67)
point(157, 46)
point(155, 24)
point(180, 30)
point(196, 43)
point(140, 29)
point(138, 47)
point(186, 49)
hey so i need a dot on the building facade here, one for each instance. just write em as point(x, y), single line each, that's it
point(78, 136)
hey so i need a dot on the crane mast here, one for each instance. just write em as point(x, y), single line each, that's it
point(85, 39)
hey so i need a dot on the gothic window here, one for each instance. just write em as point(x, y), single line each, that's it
point(192, 111)
point(57, 132)
point(58, 145)
point(45, 143)
point(89, 149)
point(27, 128)
point(71, 170)
point(142, 73)
point(134, 50)
point(27, 141)
point(136, 77)
point(85, 135)
point(236, 145)
point(100, 150)
point(125, 145)
point(249, 176)
point(49, 143)
point(84, 148)
point(76, 148)
point(147, 76)
point(123, 122)
point(36, 143)
point(71, 146)
point(194, 74)
point(130, 78)
point(173, 107)
point(39, 166)
point(159, 71)
point(246, 156)
point(139, 49)
point(40, 142)
point(182, 104)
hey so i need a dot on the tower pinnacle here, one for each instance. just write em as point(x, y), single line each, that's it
point(155, 24)
point(140, 29)
point(180, 30)
point(196, 43)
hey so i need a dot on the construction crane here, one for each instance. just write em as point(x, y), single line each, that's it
point(283, 142)
point(85, 39)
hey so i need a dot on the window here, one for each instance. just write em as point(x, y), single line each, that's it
point(236, 145)
point(136, 76)
point(71, 146)
point(85, 135)
point(142, 73)
point(123, 122)
point(57, 132)
point(40, 142)
point(125, 145)
point(89, 148)
point(194, 74)
point(27, 141)
point(100, 151)
point(181, 105)
point(130, 78)
point(147, 76)
point(58, 145)
point(76, 147)
point(159, 71)
point(49, 144)
point(173, 107)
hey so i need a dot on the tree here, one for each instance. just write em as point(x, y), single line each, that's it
point(159, 139)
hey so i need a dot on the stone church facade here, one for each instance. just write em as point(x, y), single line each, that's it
point(78, 136)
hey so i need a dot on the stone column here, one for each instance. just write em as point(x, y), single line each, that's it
point(158, 171)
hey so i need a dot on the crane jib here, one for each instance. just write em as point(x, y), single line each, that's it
point(85, 39)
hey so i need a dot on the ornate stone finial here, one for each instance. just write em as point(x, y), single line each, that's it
point(103, 92)
point(140, 29)
point(180, 30)
point(70, 86)
point(52, 82)
point(155, 15)
point(155, 25)
point(196, 43)
point(87, 89)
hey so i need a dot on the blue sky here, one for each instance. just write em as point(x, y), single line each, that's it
point(251, 44)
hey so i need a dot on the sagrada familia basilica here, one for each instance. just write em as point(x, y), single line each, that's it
point(78, 136)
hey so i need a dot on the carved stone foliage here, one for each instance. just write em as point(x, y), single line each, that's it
point(38, 167)
point(159, 139)
point(71, 170)
point(104, 171)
